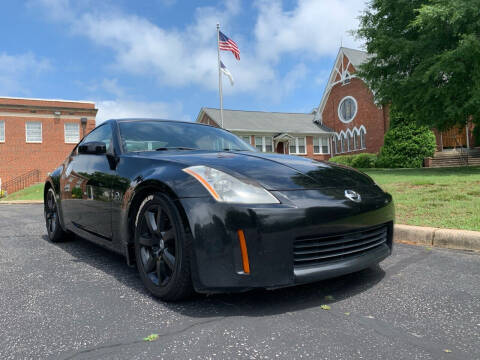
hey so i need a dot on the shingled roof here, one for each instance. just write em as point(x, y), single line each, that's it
point(260, 121)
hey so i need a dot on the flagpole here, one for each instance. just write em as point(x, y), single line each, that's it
point(219, 75)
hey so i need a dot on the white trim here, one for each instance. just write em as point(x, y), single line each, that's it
point(2, 122)
point(297, 146)
point(39, 99)
point(44, 116)
point(354, 114)
point(41, 133)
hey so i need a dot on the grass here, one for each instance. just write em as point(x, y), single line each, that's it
point(441, 197)
point(445, 197)
point(34, 192)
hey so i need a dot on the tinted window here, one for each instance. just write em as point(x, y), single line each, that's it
point(102, 134)
point(152, 135)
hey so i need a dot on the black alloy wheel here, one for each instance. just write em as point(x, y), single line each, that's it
point(160, 249)
point(52, 222)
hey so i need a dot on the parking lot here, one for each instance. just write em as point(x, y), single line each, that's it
point(76, 300)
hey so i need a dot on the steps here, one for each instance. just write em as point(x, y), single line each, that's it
point(454, 158)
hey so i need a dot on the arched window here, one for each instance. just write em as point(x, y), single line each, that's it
point(349, 141)
point(355, 141)
point(342, 139)
point(362, 139)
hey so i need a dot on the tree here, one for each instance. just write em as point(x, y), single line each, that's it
point(426, 58)
point(406, 143)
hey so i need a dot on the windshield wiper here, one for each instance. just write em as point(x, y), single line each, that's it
point(227, 149)
point(174, 148)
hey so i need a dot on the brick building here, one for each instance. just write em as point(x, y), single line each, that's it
point(347, 107)
point(36, 135)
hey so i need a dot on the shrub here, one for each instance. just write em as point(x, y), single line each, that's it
point(363, 160)
point(406, 145)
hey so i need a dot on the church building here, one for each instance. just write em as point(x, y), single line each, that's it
point(347, 120)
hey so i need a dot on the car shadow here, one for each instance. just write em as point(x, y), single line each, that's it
point(253, 303)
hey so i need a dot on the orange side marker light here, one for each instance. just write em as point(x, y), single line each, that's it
point(243, 249)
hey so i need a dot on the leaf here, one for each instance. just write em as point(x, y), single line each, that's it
point(329, 298)
point(151, 337)
point(325, 307)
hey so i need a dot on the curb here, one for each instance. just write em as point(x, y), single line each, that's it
point(13, 202)
point(444, 238)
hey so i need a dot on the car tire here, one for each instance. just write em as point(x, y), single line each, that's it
point(55, 232)
point(162, 249)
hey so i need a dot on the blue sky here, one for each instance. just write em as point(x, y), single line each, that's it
point(158, 58)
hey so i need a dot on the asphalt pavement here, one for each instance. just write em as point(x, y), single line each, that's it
point(77, 301)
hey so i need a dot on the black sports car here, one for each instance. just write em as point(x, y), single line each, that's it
point(196, 208)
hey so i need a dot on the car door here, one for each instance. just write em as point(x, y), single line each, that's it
point(87, 186)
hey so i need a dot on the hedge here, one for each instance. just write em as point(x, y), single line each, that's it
point(363, 160)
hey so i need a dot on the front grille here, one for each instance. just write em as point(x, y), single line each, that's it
point(317, 250)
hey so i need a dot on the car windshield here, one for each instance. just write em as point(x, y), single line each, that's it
point(150, 135)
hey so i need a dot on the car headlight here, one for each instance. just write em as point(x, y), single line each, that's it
point(226, 188)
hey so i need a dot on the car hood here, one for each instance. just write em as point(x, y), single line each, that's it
point(272, 171)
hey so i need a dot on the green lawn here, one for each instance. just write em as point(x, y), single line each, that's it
point(445, 197)
point(34, 192)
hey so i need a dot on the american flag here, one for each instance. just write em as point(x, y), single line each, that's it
point(228, 44)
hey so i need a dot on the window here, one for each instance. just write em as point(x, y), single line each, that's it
point(362, 138)
point(297, 146)
point(259, 143)
point(349, 142)
point(264, 143)
point(347, 109)
point(346, 79)
point(342, 139)
point(246, 138)
point(355, 141)
point(148, 135)
point(268, 144)
point(72, 133)
point(320, 145)
point(102, 134)
point(33, 131)
point(2, 131)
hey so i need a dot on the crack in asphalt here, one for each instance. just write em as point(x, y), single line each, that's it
point(127, 343)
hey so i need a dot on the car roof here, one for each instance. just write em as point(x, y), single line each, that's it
point(156, 120)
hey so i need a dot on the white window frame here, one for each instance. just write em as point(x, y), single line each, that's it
point(296, 145)
point(340, 116)
point(2, 126)
point(320, 145)
point(264, 143)
point(67, 141)
point(363, 139)
point(26, 132)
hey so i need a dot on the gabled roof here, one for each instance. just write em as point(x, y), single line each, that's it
point(355, 57)
point(260, 121)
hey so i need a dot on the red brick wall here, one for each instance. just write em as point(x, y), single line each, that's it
point(375, 119)
point(17, 156)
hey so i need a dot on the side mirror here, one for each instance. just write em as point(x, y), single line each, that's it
point(93, 148)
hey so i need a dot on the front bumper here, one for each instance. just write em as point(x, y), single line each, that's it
point(271, 232)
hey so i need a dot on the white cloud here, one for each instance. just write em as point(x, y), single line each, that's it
point(120, 108)
point(313, 27)
point(187, 56)
point(15, 70)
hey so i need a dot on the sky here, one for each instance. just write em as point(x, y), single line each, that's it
point(158, 58)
